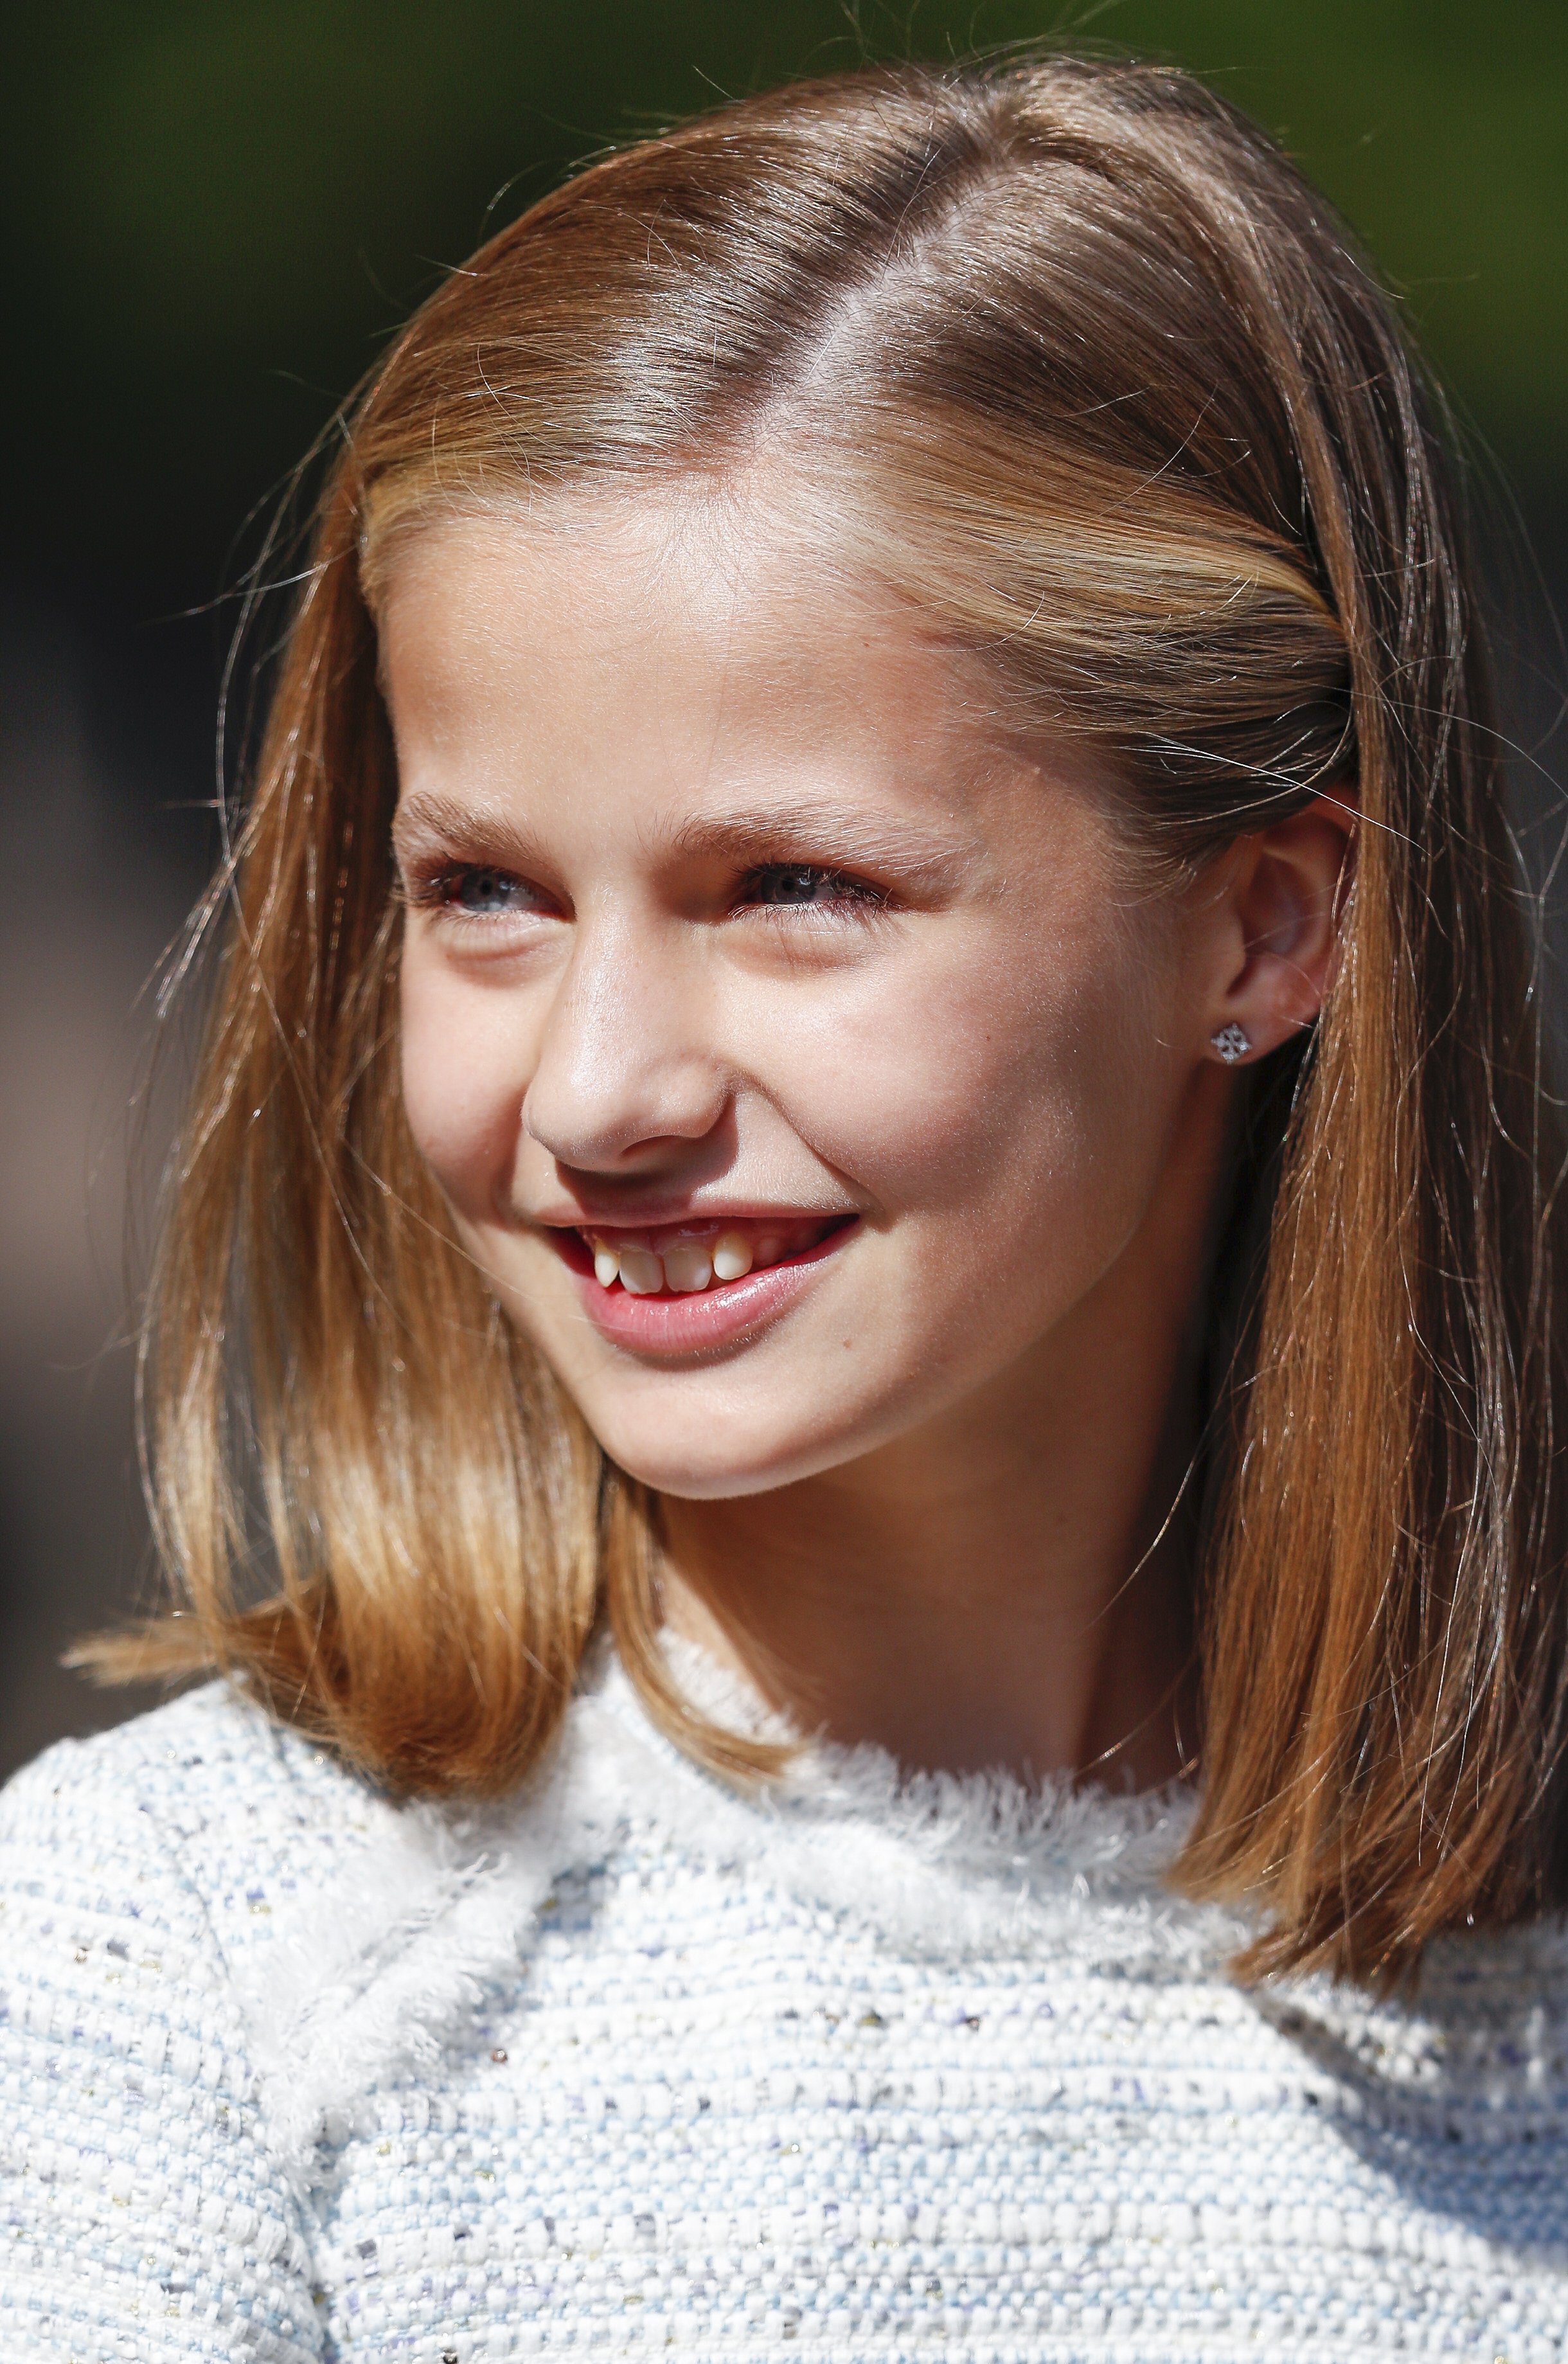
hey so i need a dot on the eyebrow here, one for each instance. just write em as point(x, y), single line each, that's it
point(852, 836)
point(805, 829)
point(425, 815)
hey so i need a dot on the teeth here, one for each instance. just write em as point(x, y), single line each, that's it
point(641, 1272)
point(687, 1265)
point(731, 1255)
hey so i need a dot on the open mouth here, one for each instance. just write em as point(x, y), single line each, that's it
point(686, 1259)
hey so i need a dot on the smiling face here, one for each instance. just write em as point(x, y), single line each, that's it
point(797, 1061)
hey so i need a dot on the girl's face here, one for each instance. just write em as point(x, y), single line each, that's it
point(797, 1061)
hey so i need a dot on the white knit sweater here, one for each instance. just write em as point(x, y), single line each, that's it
point(855, 2073)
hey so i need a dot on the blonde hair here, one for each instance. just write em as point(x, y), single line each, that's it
point(1070, 352)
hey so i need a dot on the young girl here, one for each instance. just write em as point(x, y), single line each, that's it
point(854, 1373)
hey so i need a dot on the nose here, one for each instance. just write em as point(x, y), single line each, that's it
point(626, 1072)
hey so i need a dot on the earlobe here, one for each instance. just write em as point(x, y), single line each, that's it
point(1232, 1043)
point(1285, 899)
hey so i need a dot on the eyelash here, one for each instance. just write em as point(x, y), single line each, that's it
point(852, 894)
point(439, 890)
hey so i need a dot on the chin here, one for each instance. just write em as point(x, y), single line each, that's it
point(703, 1474)
point(717, 1461)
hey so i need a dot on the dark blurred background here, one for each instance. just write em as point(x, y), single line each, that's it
point(216, 210)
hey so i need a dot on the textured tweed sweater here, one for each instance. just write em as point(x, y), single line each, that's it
point(855, 2072)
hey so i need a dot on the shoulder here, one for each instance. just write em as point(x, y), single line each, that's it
point(198, 1813)
point(209, 1742)
point(129, 1867)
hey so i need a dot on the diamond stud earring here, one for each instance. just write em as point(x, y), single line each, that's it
point(1232, 1043)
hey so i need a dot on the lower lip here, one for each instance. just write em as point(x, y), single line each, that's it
point(726, 1313)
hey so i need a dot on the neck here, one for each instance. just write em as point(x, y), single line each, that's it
point(1009, 1586)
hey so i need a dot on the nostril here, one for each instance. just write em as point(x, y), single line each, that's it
point(616, 1102)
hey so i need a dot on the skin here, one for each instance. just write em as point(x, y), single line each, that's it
point(931, 1503)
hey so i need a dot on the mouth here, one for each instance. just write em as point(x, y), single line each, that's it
point(677, 1287)
point(686, 1259)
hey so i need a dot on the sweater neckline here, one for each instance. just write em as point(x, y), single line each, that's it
point(1058, 1837)
point(370, 1980)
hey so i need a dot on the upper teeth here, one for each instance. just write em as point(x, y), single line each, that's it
point(688, 1265)
point(641, 1271)
point(684, 1266)
point(731, 1255)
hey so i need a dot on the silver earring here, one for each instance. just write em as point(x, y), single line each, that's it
point(1232, 1043)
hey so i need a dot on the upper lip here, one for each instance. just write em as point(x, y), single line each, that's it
point(651, 1215)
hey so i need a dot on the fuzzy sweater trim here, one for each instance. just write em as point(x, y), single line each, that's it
point(860, 2069)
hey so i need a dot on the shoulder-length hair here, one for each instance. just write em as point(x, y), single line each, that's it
point(1074, 357)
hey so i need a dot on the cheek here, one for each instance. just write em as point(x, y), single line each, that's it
point(463, 1078)
point(1002, 1080)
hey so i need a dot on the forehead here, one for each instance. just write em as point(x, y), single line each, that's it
point(683, 629)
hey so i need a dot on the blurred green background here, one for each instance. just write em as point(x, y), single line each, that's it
point(216, 210)
point(219, 210)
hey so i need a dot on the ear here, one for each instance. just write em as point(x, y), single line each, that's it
point(1276, 920)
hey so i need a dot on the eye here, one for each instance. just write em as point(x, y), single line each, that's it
point(477, 890)
point(483, 892)
point(804, 885)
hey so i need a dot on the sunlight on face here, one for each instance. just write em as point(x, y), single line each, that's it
point(795, 1059)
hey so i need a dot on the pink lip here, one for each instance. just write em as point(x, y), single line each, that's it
point(721, 1315)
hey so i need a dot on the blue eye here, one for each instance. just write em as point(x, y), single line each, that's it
point(799, 885)
point(485, 892)
point(455, 892)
